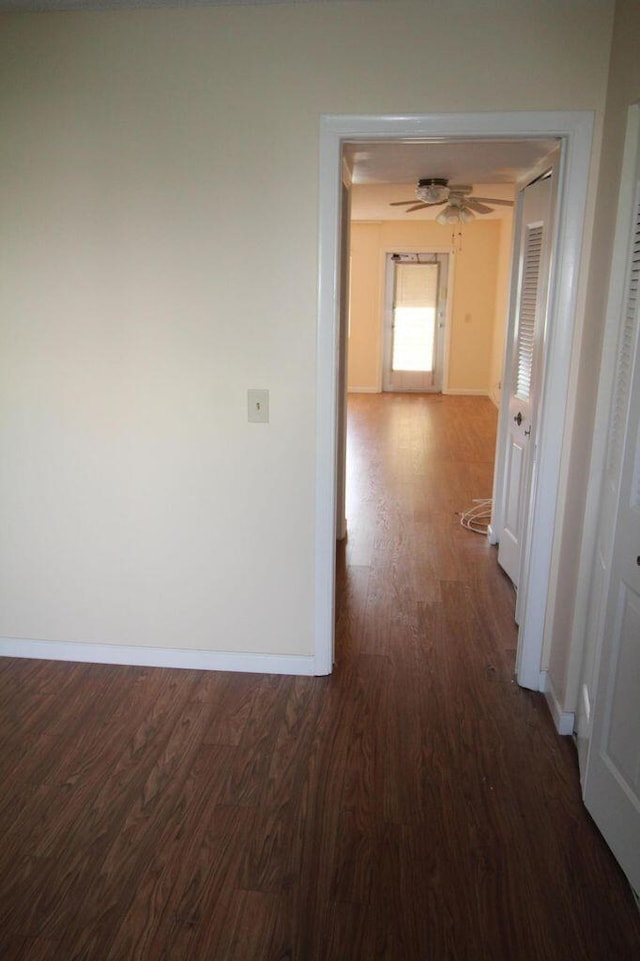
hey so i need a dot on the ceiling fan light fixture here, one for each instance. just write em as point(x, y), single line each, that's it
point(432, 190)
point(450, 215)
point(455, 214)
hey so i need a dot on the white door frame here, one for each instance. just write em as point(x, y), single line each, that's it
point(574, 128)
point(597, 543)
point(419, 249)
point(441, 328)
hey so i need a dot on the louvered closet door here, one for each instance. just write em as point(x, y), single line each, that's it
point(612, 778)
point(533, 257)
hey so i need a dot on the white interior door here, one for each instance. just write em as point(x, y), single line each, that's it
point(612, 771)
point(414, 321)
point(532, 259)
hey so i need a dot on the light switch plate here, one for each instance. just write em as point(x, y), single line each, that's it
point(258, 406)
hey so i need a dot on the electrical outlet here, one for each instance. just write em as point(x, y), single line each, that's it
point(258, 406)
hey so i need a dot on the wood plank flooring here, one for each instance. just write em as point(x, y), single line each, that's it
point(415, 806)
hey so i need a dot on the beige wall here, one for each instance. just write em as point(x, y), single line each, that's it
point(160, 230)
point(567, 653)
point(503, 281)
point(474, 307)
point(473, 297)
point(365, 307)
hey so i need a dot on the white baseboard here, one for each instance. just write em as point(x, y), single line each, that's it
point(466, 391)
point(158, 657)
point(460, 391)
point(563, 720)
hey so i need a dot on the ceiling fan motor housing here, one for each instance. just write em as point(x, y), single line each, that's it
point(432, 190)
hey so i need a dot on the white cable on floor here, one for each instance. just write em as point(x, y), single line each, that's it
point(478, 517)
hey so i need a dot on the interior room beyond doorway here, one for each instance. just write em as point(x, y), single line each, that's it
point(473, 335)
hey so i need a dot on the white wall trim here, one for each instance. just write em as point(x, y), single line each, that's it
point(384, 292)
point(157, 657)
point(466, 391)
point(558, 391)
point(563, 720)
point(587, 634)
point(574, 129)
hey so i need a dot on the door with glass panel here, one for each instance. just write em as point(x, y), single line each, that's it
point(415, 317)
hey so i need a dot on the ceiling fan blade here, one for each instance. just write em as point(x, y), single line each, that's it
point(418, 207)
point(479, 208)
point(401, 203)
point(492, 200)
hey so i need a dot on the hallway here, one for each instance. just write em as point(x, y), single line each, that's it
point(416, 805)
point(468, 773)
point(415, 463)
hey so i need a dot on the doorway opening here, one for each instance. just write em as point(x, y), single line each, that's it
point(571, 129)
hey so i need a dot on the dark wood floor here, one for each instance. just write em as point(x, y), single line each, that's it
point(415, 806)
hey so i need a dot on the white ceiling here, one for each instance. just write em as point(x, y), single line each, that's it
point(462, 162)
point(6, 6)
point(383, 171)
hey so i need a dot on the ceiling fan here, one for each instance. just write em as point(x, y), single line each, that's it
point(460, 207)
